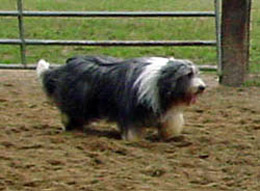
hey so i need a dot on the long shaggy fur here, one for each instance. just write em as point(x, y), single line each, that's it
point(135, 93)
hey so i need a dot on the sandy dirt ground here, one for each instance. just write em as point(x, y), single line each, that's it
point(219, 148)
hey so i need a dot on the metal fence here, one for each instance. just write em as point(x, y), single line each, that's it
point(22, 41)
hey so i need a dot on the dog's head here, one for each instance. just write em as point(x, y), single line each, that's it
point(179, 83)
point(166, 82)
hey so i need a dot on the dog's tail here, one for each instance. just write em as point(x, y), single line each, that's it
point(41, 68)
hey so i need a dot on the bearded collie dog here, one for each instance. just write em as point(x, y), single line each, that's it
point(135, 93)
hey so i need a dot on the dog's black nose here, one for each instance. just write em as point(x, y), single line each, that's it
point(202, 88)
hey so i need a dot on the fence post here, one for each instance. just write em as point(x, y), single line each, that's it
point(235, 28)
point(21, 32)
point(218, 33)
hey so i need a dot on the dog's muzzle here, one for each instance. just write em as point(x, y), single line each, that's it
point(197, 88)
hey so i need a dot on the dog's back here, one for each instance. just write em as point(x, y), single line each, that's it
point(99, 60)
point(51, 78)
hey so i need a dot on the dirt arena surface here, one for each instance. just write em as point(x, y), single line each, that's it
point(219, 149)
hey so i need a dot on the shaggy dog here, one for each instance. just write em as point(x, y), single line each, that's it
point(134, 93)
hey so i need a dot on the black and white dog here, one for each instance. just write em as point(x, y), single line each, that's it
point(135, 93)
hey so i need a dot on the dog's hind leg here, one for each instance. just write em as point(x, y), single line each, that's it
point(132, 133)
point(71, 123)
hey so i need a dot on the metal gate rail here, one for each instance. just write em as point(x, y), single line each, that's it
point(106, 42)
point(107, 14)
point(23, 42)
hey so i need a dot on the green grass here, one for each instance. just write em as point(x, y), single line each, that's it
point(255, 38)
point(118, 29)
point(250, 83)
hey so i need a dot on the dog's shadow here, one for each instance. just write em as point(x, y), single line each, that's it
point(111, 134)
point(179, 141)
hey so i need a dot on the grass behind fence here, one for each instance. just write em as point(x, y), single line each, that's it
point(118, 29)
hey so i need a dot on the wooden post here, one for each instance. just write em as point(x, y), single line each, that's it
point(235, 41)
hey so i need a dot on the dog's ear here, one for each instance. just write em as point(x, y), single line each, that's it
point(173, 71)
point(183, 70)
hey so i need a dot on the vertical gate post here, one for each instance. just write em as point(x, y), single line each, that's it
point(235, 28)
point(21, 32)
point(218, 33)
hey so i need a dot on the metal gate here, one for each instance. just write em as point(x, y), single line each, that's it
point(22, 41)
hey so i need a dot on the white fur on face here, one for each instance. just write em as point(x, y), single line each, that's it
point(196, 82)
point(148, 91)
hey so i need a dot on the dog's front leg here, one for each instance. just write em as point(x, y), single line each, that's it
point(171, 125)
